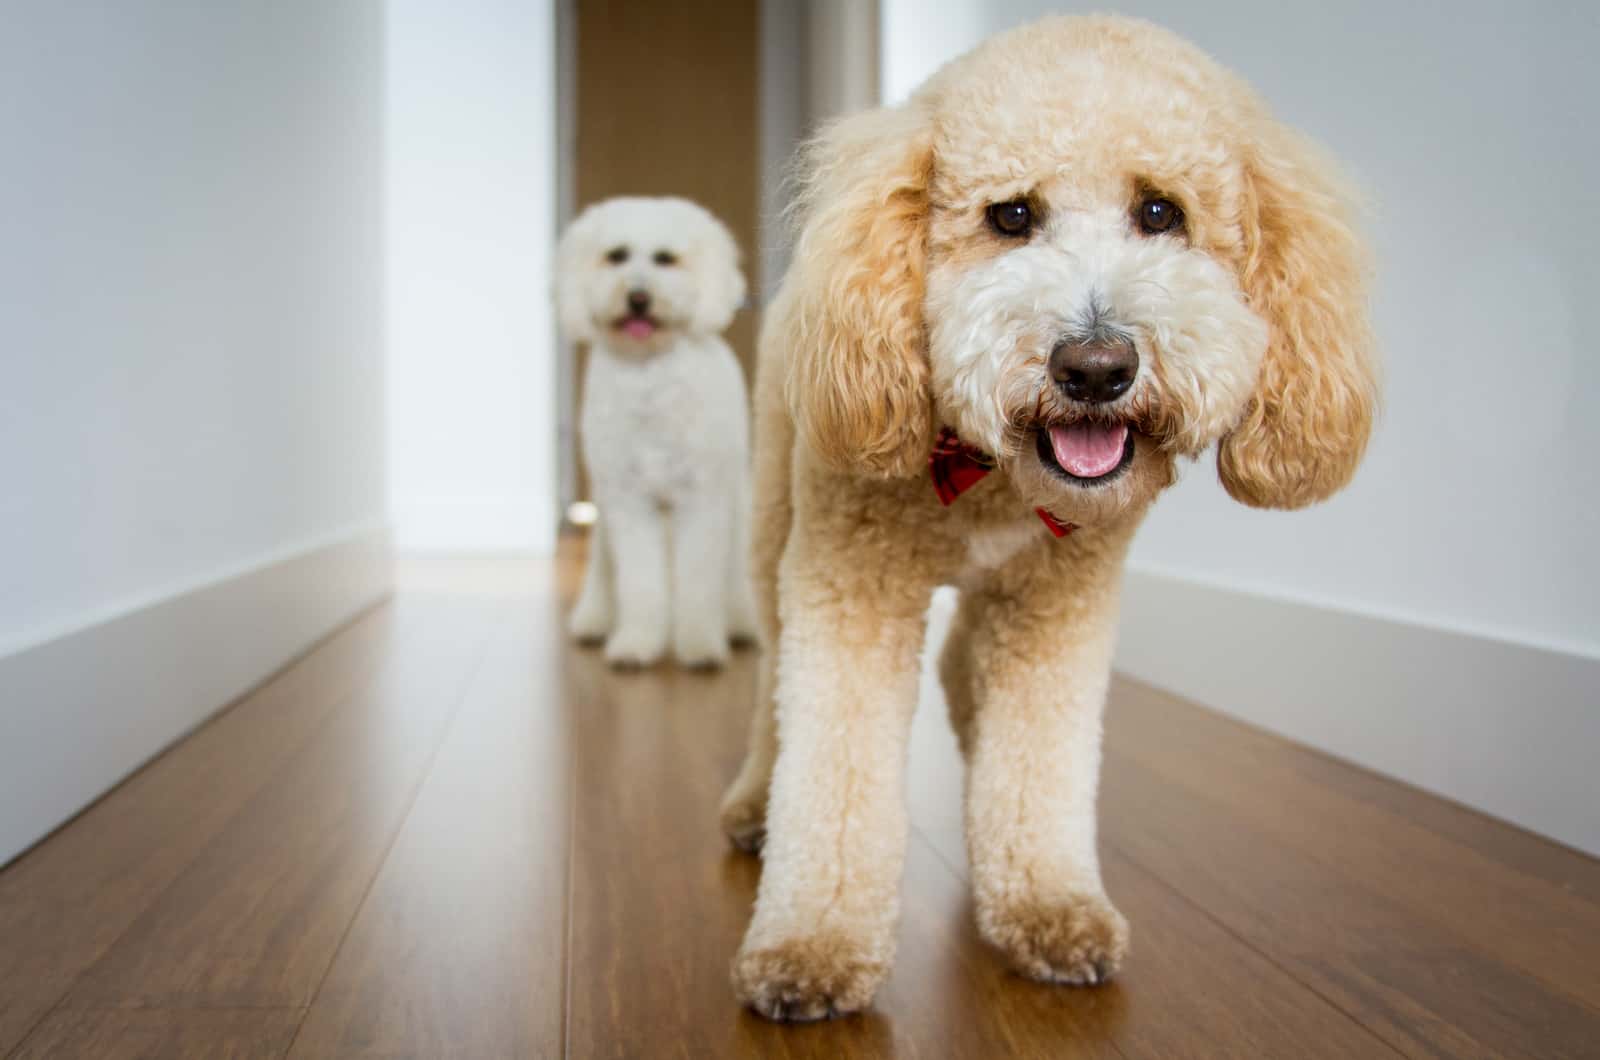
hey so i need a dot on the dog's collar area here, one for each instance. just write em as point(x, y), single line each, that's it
point(956, 467)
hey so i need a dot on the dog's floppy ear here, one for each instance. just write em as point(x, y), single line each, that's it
point(572, 260)
point(1307, 424)
point(857, 382)
point(721, 283)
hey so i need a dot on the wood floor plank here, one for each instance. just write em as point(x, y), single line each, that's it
point(457, 951)
point(950, 994)
point(1523, 852)
point(20, 1011)
point(168, 1034)
point(1190, 988)
point(447, 832)
point(660, 902)
point(64, 902)
point(1145, 706)
point(1543, 929)
point(255, 919)
point(1424, 990)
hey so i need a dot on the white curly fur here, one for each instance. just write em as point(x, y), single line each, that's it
point(665, 431)
point(992, 326)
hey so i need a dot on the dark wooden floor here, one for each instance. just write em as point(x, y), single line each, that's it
point(444, 833)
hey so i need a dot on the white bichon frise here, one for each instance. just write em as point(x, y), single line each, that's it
point(648, 283)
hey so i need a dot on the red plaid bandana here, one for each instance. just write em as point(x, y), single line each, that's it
point(956, 467)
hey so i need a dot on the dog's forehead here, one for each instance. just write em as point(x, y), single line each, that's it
point(1072, 104)
point(660, 223)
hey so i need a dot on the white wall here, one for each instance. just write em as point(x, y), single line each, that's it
point(785, 119)
point(1440, 619)
point(916, 37)
point(1479, 503)
point(191, 363)
point(191, 369)
point(819, 59)
point(472, 378)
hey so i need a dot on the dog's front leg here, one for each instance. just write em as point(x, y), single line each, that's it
point(823, 934)
point(1040, 660)
point(636, 536)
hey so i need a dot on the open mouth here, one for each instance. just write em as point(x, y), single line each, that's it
point(637, 325)
point(1087, 452)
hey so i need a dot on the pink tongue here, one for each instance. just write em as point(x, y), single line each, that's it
point(638, 327)
point(1089, 450)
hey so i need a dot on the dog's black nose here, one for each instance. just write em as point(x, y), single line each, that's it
point(1094, 371)
point(639, 302)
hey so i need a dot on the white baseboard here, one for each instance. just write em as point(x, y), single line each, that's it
point(1509, 729)
point(82, 710)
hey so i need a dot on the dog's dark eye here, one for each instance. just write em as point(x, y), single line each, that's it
point(1157, 215)
point(617, 255)
point(665, 257)
point(1011, 219)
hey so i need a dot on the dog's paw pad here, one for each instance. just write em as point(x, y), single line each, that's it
point(806, 979)
point(1079, 940)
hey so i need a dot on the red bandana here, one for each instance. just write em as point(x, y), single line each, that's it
point(956, 467)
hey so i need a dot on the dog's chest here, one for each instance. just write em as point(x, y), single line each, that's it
point(994, 545)
point(652, 430)
point(985, 527)
point(656, 428)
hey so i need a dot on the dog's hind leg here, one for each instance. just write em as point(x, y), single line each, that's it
point(956, 672)
point(702, 525)
point(743, 626)
point(744, 806)
point(593, 614)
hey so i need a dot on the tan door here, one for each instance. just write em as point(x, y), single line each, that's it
point(667, 104)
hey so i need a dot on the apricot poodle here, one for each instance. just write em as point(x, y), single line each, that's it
point(1076, 255)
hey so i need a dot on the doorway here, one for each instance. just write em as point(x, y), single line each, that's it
point(665, 100)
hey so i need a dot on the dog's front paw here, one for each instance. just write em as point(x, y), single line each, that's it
point(809, 978)
point(700, 648)
point(1079, 939)
point(743, 630)
point(589, 625)
point(631, 648)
